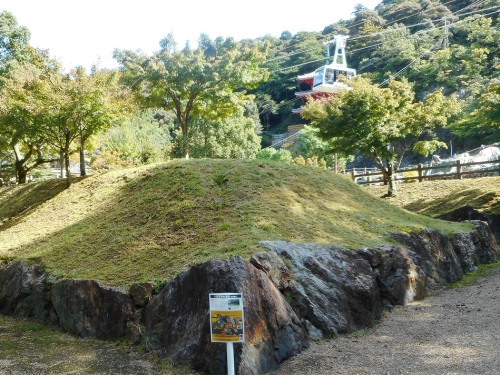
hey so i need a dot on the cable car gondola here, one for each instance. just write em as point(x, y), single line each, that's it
point(324, 82)
point(326, 78)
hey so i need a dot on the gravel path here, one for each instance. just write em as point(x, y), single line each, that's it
point(457, 331)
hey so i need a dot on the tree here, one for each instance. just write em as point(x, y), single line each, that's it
point(144, 138)
point(489, 110)
point(267, 106)
point(363, 16)
point(43, 108)
point(19, 142)
point(14, 42)
point(483, 120)
point(310, 145)
point(204, 83)
point(96, 102)
point(231, 138)
point(22, 113)
point(382, 123)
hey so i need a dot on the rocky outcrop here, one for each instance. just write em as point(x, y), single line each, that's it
point(23, 291)
point(468, 213)
point(333, 290)
point(487, 249)
point(88, 309)
point(400, 277)
point(141, 294)
point(177, 319)
point(436, 256)
point(466, 251)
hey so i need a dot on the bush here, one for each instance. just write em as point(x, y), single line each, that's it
point(269, 153)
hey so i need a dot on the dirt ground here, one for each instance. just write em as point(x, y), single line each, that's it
point(456, 331)
point(30, 348)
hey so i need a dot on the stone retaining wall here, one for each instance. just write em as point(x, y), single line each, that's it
point(292, 293)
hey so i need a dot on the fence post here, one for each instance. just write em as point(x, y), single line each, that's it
point(420, 178)
point(353, 174)
point(459, 170)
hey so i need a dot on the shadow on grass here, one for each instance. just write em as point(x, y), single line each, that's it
point(450, 202)
point(28, 347)
point(18, 202)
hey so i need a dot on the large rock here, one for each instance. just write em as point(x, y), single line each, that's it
point(177, 319)
point(333, 290)
point(23, 291)
point(87, 309)
point(468, 213)
point(487, 249)
point(463, 244)
point(437, 257)
point(400, 278)
point(141, 294)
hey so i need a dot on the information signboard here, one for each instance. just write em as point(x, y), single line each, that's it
point(227, 321)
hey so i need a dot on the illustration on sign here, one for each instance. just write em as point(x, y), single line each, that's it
point(226, 317)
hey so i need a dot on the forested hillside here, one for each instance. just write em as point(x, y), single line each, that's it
point(225, 99)
point(452, 45)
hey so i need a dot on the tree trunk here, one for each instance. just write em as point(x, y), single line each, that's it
point(67, 168)
point(22, 172)
point(20, 164)
point(391, 190)
point(186, 141)
point(67, 145)
point(61, 165)
point(83, 170)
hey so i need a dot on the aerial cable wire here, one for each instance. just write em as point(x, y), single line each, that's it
point(399, 19)
point(410, 64)
point(480, 10)
point(479, 2)
point(418, 33)
point(419, 12)
point(291, 54)
point(295, 66)
point(390, 30)
point(328, 36)
point(355, 38)
point(427, 52)
point(430, 51)
point(427, 30)
point(472, 5)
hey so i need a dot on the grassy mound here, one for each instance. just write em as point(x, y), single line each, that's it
point(152, 222)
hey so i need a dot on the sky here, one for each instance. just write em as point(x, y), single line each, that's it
point(86, 32)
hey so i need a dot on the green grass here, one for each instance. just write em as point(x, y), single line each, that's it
point(28, 347)
point(472, 277)
point(150, 223)
point(436, 198)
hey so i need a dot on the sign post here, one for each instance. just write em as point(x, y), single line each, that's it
point(227, 322)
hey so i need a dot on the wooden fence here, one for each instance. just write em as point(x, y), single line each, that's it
point(458, 170)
